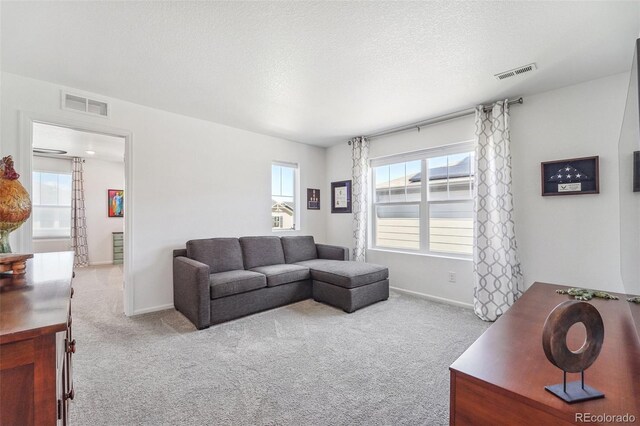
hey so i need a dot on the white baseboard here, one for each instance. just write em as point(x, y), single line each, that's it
point(103, 262)
point(153, 309)
point(434, 298)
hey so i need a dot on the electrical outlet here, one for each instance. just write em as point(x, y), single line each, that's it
point(452, 277)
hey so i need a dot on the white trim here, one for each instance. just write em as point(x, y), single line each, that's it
point(102, 262)
point(284, 164)
point(433, 298)
point(153, 309)
point(421, 154)
point(463, 257)
point(25, 233)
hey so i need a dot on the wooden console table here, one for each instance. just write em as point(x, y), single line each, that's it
point(500, 379)
point(36, 344)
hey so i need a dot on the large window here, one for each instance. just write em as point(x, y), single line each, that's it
point(51, 205)
point(283, 196)
point(432, 215)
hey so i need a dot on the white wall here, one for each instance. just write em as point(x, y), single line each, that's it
point(192, 179)
point(99, 176)
point(59, 165)
point(572, 240)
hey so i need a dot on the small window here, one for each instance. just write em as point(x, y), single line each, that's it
point(51, 205)
point(432, 215)
point(277, 222)
point(283, 196)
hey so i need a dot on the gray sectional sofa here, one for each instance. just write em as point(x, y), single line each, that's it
point(220, 279)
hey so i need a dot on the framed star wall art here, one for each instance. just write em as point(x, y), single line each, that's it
point(575, 176)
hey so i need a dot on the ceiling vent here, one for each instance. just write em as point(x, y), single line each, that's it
point(517, 71)
point(80, 103)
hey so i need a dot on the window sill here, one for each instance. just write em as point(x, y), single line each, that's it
point(439, 256)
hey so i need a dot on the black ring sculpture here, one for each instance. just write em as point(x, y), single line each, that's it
point(554, 336)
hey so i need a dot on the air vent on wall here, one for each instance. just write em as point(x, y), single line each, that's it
point(79, 103)
point(516, 71)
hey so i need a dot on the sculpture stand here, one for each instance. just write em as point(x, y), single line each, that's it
point(554, 343)
point(574, 391)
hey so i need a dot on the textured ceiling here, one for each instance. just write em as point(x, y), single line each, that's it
point(315, 72)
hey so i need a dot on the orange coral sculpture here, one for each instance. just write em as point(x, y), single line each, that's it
point(15, 204)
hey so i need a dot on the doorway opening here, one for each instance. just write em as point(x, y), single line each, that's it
point(79, 179)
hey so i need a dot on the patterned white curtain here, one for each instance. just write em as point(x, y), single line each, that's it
point(78, 219)
point(497, 273)
point(360, 202)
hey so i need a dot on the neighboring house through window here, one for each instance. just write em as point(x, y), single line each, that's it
point(51, 205)
point(283, 196)
point(432, 215)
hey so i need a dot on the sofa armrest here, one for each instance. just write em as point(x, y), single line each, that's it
point(191, 290)
point(326, 251)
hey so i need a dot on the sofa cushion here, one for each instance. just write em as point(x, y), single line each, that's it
point(261, 251)
point(299, 248)
point(233, 282)
point(344, 273)
point(221, 254)
point(283, 274)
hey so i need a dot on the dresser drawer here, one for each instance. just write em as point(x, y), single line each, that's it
point(118, 247)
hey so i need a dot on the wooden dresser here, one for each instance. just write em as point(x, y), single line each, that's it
point(500, 379)
point(36, 344)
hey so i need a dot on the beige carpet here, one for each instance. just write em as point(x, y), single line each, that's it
point(303, 364)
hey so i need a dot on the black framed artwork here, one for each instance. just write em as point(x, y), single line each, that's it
point(341, 197)
point(574, 176)
point(313, 199)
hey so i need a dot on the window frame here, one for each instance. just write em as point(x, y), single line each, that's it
point(296, 196)
point(424, 205)
point(53, 206)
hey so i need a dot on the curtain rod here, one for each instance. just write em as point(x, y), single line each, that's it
point(435, 120)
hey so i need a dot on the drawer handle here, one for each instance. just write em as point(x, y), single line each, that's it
point(70, 394)
point(71, 347)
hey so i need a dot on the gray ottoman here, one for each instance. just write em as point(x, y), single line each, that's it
point(349, 285)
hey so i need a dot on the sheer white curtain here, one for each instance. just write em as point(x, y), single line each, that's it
point(78, 218)
point(360, 199)
point(497, 273)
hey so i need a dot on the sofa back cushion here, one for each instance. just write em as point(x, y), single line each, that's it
point(261, 251)
point(221, 254)
point(299, 248)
